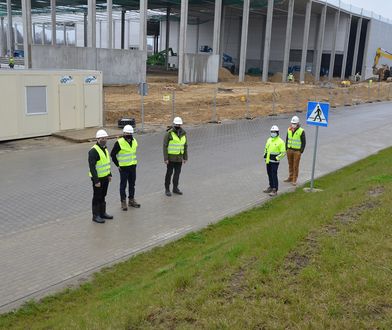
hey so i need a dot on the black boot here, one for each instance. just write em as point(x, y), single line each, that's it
point(177, 191)
point(96, 216)
point(103, 214)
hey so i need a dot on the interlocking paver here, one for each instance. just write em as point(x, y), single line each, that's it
point(47, 237)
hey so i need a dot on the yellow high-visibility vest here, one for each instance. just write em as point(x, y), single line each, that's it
point(127, 155)
point(103, 165)
point(275, 149)
point(294, 140)
point(176, 145)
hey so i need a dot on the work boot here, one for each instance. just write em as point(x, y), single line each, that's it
point(103, 214)
point(287, 180)
point(96, 217)
point(273, 192)
point(133, 203)
point(124, 205)
point(268, 190)
point(177, 191)
point(168, 193)
point(294, 183)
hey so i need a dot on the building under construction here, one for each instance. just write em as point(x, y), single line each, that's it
point(325, 38)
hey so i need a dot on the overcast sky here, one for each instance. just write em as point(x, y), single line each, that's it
point(381, 7)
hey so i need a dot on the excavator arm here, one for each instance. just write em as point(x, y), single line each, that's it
point(381, 53)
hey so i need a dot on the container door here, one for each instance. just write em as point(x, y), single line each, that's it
point(92, 106)
point(68, 109)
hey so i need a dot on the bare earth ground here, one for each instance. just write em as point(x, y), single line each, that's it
point(195, 102)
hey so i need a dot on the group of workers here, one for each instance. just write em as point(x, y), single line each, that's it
point(275, 149)
point(175, 153)
point(124, 156)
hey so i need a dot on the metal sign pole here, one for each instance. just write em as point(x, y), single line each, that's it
point(314, 159)
point(142, 111)
point(173, 103)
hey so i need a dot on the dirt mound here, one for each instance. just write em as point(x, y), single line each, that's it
point(225, 75)
point(309, 78)
point(277, 77)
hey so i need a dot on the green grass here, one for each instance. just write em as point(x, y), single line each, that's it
point(300, 261)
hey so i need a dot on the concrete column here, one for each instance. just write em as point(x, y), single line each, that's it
point(65, 33)
point(287, 46)
point(91, 24)
point(109, 5)
point(167, 37)
point(222, 36)
point(267, 41)
point(345, 53)
point(10, 44)
point(244, 40)
point(100, 34)
point(33, 40)
point(85, 28)
point(114, 33)
point(305, 40)
point(43, 34)
point(320, 42)
point(1, 36)
point(217, 26)
point(16, 36)
point(182, 41)
point(26, 18)
point(53, 21)
point(197, 34)
point(333, 50)
point(364, 70)
point(143, 26)
point(357, 40)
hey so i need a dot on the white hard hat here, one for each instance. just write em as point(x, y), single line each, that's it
point(101, 134)
point(295, 120)
point(274, 128)
point(128, 129)
point(177, 121)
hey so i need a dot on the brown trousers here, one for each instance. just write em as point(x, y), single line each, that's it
point(293, 156)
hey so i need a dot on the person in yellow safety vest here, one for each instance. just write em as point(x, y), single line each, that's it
point(175, 153)
point(124, 157)
point(290, 77)
point(99, 164)
point(274, 151)
point(295, 146)
point(11, 62)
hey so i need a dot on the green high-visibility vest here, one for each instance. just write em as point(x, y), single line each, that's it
point(103, 165)
point(127, 155)
point(275, 150)
point(294, 140)
point(176, 145)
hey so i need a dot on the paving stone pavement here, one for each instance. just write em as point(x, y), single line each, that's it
point(47, 238)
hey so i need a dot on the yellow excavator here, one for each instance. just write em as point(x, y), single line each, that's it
point(383, 71)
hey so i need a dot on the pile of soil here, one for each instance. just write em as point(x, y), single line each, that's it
point(225, 75)
point(276, 78)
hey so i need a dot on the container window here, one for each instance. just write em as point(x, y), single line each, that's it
point(36, 100)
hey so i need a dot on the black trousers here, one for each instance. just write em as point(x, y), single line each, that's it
point(127, 176)
point(176, 167)
point(272, 171)
point(99, 193)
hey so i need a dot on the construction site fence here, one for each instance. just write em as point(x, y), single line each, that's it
point(203, 105)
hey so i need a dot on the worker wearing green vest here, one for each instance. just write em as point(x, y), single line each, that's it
point(274, 151)
point(175, 153)
point(99, 164)
point(124, 157)
point(11, 62)
point(295, 146)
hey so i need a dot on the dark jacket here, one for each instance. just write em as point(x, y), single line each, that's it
point(303, 139)
point(93, 158)
point(116, 149)
point(167, 138)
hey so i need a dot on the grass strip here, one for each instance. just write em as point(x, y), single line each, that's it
point(301, 260)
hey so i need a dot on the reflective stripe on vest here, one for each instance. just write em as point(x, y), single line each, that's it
point(127, 155)
point(103, 165)
point(276, 148)
point(294, 140)
point(176, 145)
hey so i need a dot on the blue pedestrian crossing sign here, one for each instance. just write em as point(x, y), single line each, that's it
point(317, 114)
